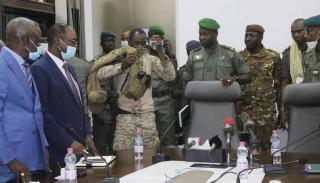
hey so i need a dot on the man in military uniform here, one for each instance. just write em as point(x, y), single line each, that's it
point(312, 57)
point(291, 67)
point(104, 122)
point(140, 112)
point(214, 61)
point(161, 91)
point(260, 96)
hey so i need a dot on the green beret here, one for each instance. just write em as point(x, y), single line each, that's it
point(208, 23)
point(312, 21)
point(155, 29)
point(255, 28)
point(107, 34)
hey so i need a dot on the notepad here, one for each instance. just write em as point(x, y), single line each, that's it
point(96, 161)
point(312, 168)
point(198, 176)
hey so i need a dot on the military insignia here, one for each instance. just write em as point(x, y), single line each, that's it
point(315, 72)
point(198, 57)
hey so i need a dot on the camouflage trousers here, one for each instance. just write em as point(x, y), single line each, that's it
point(126, 128)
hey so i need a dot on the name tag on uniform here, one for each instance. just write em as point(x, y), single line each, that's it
point(315, 72)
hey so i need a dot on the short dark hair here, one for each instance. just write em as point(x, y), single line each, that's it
point(55, 31)
point(136, 30)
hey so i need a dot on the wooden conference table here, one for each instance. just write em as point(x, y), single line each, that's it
point(125, 164)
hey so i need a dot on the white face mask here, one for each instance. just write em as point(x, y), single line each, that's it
point(313, 44)
point(44, 48)
point(124, 43)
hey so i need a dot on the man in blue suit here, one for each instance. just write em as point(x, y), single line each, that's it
point(22, 139)
point(65, 122)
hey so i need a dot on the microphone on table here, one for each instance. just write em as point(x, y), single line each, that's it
point(215, 143)
point(296, 141)
point(109, 178)
point(159, 157)
point(229, 131)
point(269, 168)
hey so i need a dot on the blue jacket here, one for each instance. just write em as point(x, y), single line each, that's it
point(21, 122)
point(59, 107)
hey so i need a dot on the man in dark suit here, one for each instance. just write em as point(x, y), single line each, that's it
point(22, 139)
point(61, 97)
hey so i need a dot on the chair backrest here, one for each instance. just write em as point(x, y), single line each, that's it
point(303, 101)
point(211, 103)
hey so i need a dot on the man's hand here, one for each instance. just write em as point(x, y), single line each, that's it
point(20, 169)
point(77, 147)
point(227, 81)
point(91, 145)
point(131, 59)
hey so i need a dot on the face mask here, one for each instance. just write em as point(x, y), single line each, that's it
point(124, 44)
point(33, 56)
point(44, 47)
point(70, 53)
point(313, 44)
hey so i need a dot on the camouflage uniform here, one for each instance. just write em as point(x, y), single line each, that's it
point(136, 113)
point(104, 122)
point(260, 96)
point(214, 63)
point(311, 61)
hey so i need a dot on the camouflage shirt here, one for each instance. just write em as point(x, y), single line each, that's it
point(209, 64)
point(260, 96)
point(311, 62)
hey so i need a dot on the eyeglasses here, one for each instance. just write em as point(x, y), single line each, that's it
point(73, 42)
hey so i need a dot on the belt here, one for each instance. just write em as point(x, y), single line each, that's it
point(160, 93)
point(120, 111)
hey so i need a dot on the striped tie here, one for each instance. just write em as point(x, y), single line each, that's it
point(28, 72)
point(71, 83)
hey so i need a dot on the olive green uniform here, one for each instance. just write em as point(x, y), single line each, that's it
point(311, 63)
point(214, 63)
point(260, 96)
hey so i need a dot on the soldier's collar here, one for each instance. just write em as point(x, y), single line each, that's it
point(212, 48)
point(261, 53)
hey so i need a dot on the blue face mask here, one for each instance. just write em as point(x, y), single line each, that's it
point(33, 56)
point(70, 53)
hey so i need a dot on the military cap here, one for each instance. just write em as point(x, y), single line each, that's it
point(255, 28)
point(208, 23)
point(193, 44)
point(156, 29)
point(312, 21)
point(107, 34)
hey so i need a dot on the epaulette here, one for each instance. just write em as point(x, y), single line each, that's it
point(228, 47)
point(194, 50)
point(275, 52)
point(287, 49)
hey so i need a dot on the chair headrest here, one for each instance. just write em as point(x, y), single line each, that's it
point(212, 91)
point(305, 94)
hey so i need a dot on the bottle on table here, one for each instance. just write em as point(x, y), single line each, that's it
point(70, 169)
point(242, 162)
point(275, 146)
point(138, 145)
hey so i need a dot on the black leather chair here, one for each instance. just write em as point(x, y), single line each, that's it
point(211, 103)
point(303, 101)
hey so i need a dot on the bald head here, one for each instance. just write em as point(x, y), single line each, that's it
point(22, 34)
point(297, 25)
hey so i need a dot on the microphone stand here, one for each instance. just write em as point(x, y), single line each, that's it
point(159, 157)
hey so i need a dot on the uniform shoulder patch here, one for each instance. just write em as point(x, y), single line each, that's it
point(228, 48)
